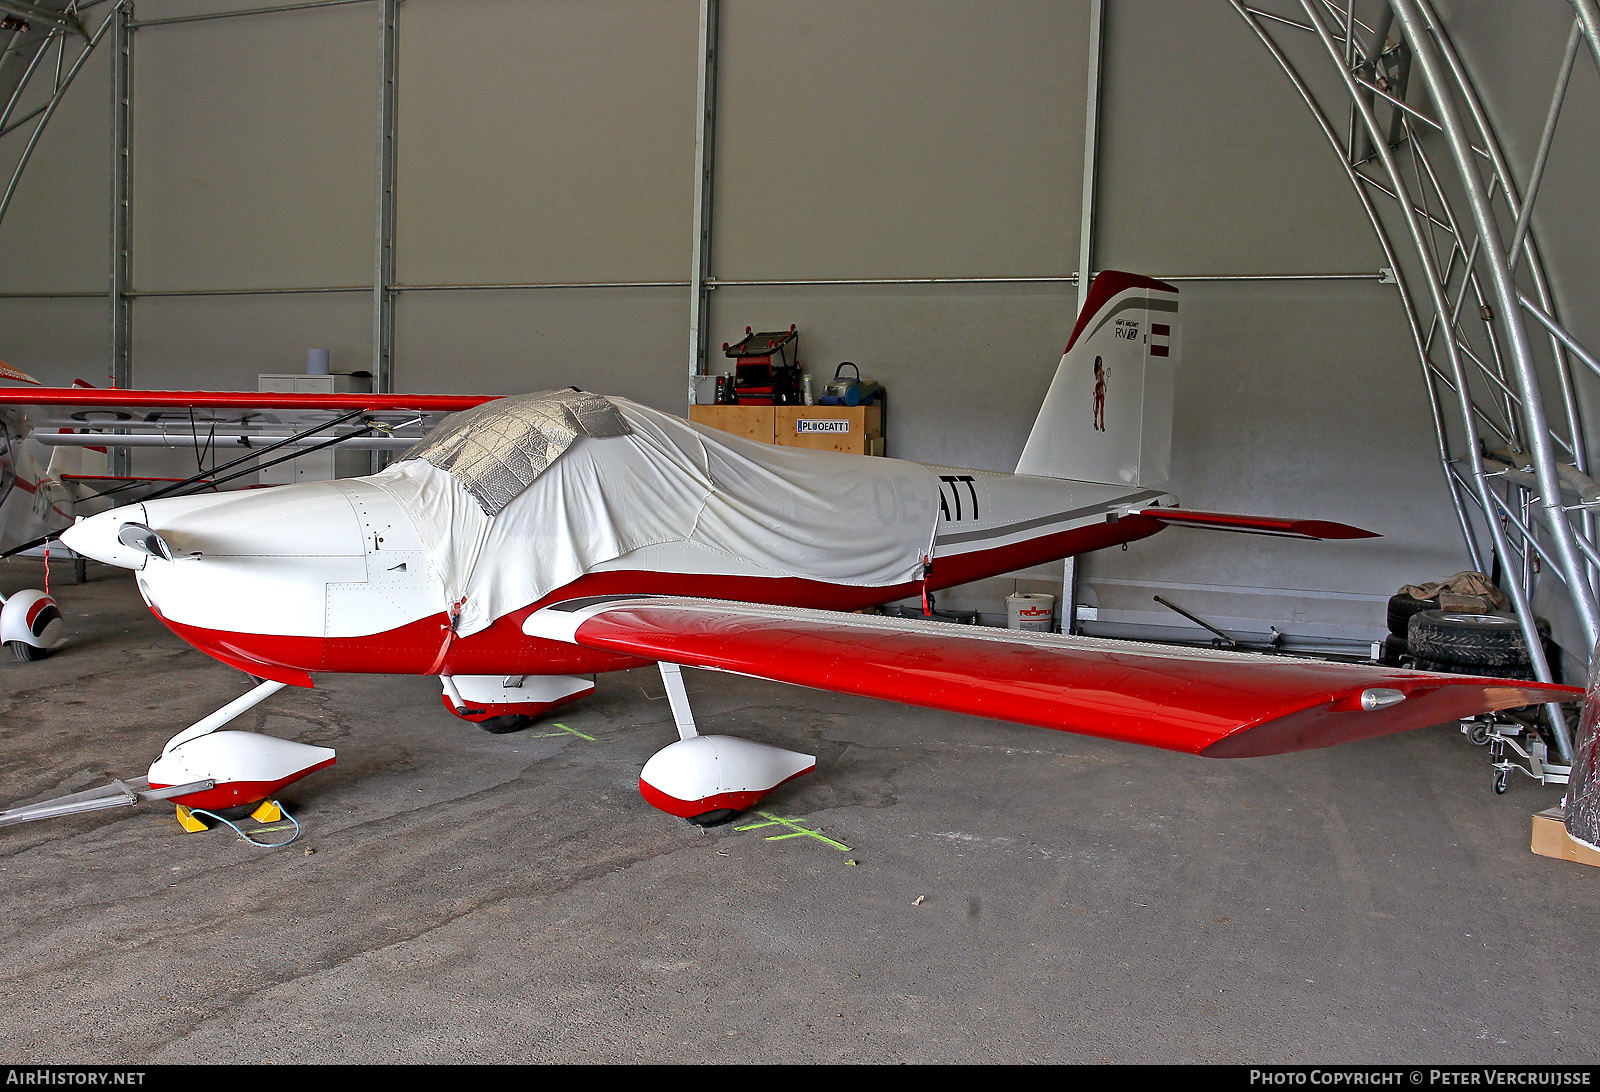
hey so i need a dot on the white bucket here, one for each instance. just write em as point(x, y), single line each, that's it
point(1030, 610)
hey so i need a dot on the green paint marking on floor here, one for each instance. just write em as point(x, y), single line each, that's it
point(795, 830)
point(565, 731)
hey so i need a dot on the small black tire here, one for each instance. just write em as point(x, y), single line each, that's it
point(1502, 779)
point(714, 818)
point(25, 652)
point(506, 723)
point(1466, 638)
point(1522, 673)
point(1394, 651)
point(1402, 607)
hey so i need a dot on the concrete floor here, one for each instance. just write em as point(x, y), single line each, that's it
point(465, 897)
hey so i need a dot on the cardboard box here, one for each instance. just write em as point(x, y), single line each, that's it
point(1550, 839)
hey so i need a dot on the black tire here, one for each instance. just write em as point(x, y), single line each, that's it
point(1464, 638)
point(1402, 607)
point(1394, 651)
point(713, 818)
point(1491, 671)
point(506, 723)
point(25, 652)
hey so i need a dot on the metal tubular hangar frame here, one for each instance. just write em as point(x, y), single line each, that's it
point(1432, 175)
point(1436, 176)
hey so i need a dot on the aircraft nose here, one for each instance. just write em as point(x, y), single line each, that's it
point(308, 520)
point(100, 537)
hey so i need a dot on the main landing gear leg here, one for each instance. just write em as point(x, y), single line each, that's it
point(206, 725)
point(710, 779)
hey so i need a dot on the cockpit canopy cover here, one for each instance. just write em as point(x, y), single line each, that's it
point(498, 449)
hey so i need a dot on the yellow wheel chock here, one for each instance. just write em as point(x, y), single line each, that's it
point(191, 822)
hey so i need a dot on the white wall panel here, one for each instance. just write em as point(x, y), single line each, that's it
point(1210, 162)
point(57, 340)
point(618, 341)
point(545, 142)
point(253, 150)
point(901, 138)
point(55, 236)
point(224, 342)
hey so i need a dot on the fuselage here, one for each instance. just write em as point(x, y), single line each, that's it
point(31, 504)
point(334, 577)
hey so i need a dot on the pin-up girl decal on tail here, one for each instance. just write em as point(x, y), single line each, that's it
point(1099, 395)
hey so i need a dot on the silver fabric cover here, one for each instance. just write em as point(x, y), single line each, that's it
point(496, 450)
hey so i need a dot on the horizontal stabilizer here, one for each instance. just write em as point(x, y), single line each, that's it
point(1258, 525)
point(1199, 701)
point(16, 374)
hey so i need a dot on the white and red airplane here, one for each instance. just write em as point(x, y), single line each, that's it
point(532, 541)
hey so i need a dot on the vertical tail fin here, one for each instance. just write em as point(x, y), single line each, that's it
point(1108, 414)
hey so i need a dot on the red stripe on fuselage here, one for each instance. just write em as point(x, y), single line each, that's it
point(503, 649)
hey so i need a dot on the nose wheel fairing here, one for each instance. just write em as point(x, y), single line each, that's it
point(247, 767)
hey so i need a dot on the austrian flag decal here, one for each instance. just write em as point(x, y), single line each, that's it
point(1160, 338)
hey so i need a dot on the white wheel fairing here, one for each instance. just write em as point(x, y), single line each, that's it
point(33, 618)
point(228, 757)
point(539, 690)
point(704, 767)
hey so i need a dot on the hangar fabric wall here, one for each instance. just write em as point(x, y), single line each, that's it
point(552, 142)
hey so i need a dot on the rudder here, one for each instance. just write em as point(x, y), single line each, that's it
point(1108, 414)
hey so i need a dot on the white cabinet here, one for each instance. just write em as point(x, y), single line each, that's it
point(318, 466)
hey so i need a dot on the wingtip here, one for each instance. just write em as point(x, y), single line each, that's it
point(1322, 528)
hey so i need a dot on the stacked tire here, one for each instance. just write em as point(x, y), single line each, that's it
point(1468, 643)
point(1457, 642)
point(1396, 647)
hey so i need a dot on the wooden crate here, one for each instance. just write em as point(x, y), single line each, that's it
point(850, 429)
point(751, 422)
point(853, 430)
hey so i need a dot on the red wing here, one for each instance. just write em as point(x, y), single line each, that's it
point(1223, 704)
point(231, 412)
point(1258, 525)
